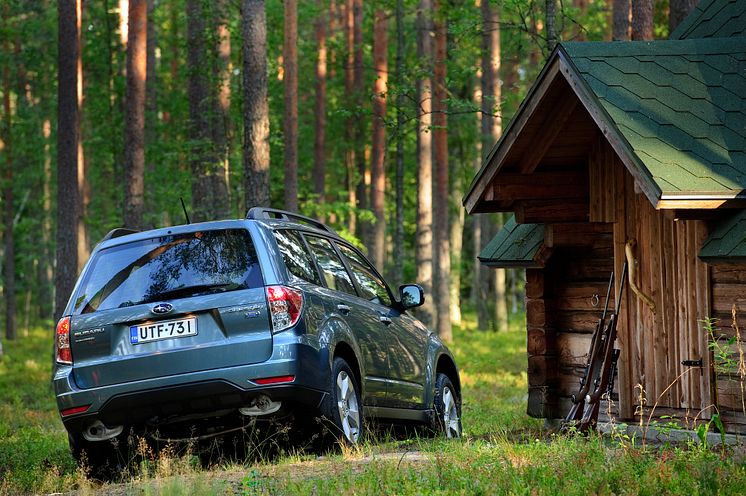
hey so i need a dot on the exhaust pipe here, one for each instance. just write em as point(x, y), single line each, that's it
point(97, 431)
point(261, 405)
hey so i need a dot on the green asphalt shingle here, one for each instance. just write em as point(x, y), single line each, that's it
point(727, 242)
point(515, 245)
point(680, 104)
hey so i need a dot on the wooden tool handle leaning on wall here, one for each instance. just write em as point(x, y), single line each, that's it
point(632, 263)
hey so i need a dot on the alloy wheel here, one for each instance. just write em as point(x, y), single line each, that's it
point(349, 411)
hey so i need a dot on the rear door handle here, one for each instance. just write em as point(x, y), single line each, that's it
point(343, 308)
point(384, 319)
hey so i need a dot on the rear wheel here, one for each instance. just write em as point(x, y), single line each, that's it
point(343, 409)
point(447, 406)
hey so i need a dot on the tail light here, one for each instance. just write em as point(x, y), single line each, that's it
point(62, 341)
point(285, 306)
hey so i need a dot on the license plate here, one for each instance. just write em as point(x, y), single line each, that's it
point(165, 329)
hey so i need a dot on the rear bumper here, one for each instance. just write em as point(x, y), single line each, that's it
point(205, 399)
point(200, 393)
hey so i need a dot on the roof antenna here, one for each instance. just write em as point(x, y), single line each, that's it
point(185, 210)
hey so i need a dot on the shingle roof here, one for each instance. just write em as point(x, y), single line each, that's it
point(680, 104)
point(713, 19)
point(727, 240)
point(515, 245)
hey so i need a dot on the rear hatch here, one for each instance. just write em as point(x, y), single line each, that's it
point(170, 305)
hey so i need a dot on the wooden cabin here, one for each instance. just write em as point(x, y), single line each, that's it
point(641, 143)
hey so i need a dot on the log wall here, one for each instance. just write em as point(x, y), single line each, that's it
point(729, 289)
point(564, 302)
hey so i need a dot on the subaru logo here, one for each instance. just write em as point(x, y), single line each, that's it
point(162, 308)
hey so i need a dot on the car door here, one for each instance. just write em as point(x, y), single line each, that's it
point(340, 290)
point(405, 338)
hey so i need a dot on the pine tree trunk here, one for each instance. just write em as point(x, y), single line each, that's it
point(551, 16)
point(198, 129)
point(134, 151)
point(361, 194)
point(68, 127)
point(442, 248)
point(399, 230)
point(290, 64)
point(476, 237)
point(319, 144)
point(642, 20)
point(9, 267)
point(620, 20)
point(491, 130)
point(151, 110)
point(378, 168)
point(221, 103)
point(457, 233)
point(678, 10)
point(46, 272)
point(256, 106)
point(424, 235)
point(350, 128)
point(84, 191)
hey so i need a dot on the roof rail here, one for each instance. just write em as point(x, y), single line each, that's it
point(273, 213)
point(119, 231)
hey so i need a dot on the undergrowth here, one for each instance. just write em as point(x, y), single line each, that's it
point(503, 451)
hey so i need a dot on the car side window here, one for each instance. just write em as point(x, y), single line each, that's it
point(335, 274)
point(297, 258)
point(372, 286)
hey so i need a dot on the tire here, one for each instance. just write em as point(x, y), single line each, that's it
point(343, 408)
point(447, 407)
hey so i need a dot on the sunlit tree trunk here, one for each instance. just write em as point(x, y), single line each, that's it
point(134, 145)
point(221, 103)
point(290, 78)
point(642, 20)
point(620, 20)
point(256, 106)
point(442, 248)
point(424, 236)
point(84, 192)
point(68, 126)
point(378, 168)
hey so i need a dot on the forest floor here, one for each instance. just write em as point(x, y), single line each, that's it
point(503, 450)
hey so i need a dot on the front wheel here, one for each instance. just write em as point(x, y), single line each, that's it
point(447, 408)
point(344, 407)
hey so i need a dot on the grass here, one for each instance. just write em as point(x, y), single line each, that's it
point(503, 451)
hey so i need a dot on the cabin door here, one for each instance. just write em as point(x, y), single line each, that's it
point(665, 344)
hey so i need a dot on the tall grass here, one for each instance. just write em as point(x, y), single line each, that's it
point(503, 451)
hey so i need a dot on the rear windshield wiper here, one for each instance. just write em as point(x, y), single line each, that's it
point(184, 291)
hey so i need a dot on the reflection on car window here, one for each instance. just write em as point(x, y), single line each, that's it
point(372, 287)
point(296, 257)
point(335, 274)
point(168, 267)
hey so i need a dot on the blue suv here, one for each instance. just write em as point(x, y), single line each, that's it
point(194, 330)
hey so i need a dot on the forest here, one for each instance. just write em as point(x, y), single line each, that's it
point(372, 116)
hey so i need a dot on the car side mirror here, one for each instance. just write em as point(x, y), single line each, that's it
point(411, 295)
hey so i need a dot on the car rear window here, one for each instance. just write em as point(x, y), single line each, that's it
point(169, 267)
